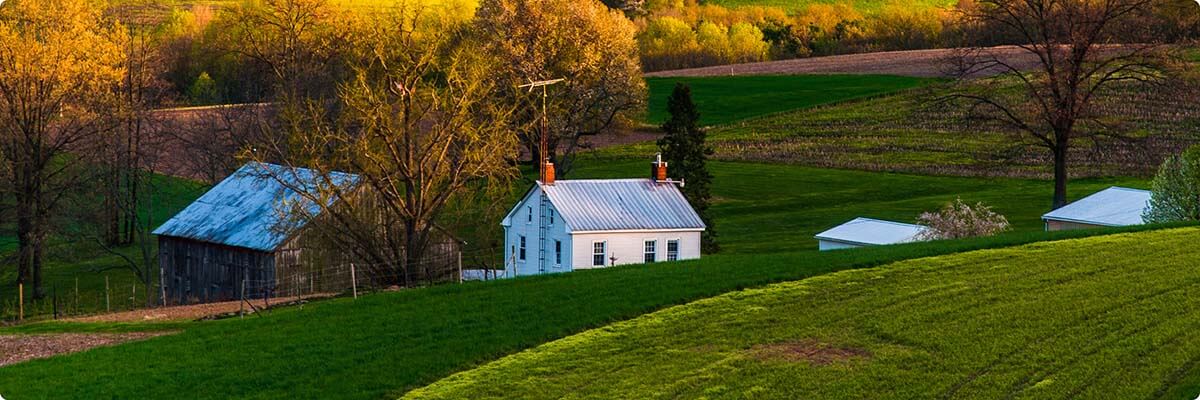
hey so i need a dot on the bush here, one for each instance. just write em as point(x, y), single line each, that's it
point(1175, 192)
point(959, 220)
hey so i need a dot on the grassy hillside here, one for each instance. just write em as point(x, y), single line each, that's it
point(778, 208)
point(384, 344)
point(863, 6)
point(388, 343)
point(1053, 320)
point(726, 99)
point(912, 131)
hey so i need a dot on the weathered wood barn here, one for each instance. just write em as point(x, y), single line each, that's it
point(229, 241)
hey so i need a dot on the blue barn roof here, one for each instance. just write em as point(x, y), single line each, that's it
point(241, 211)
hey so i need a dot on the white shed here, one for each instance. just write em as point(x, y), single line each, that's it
point(565, 225)
point(1115, 206)
point(861, 232)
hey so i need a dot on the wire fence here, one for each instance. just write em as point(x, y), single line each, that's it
point(284, 285)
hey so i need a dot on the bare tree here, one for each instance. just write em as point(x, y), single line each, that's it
point(58, 64)
point(296, 40)
point(1085, 49)
point(590, 45)
point(418, 128)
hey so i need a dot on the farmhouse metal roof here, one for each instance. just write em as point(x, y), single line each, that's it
point(242, 210)
point(596, 205)
point(867, 231)
point(1115, 206)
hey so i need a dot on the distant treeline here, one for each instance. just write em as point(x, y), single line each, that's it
point(686, 33)
point(203, 68)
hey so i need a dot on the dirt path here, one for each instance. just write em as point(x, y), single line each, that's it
point(18, 348)
point(188, 312)
point(918, 63)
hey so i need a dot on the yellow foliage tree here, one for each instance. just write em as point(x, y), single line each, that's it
point(60, 62)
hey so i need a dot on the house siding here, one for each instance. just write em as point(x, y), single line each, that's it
point(523, 225)
point(627, 246)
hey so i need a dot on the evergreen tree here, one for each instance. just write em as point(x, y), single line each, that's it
point(684, 149)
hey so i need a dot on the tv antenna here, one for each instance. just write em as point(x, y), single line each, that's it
point(542, 144)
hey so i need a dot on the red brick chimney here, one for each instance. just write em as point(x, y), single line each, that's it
point(658, 169)
point(547, 172)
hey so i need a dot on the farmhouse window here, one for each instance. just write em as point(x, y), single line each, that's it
point(522, 256)
point(557, 252)
point(673, 250)
point(599, 250)
point(650, 248)
point(529, 215)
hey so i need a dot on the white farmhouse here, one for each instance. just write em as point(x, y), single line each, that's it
point(861, 232)
point(565, 225)
point(1115, 206)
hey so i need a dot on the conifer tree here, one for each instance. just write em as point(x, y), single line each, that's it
point(684, 149)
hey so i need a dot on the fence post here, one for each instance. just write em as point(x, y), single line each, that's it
point(55, 302)
point(107, 299)
point(460, 278)
point(133, 300)
point(242, 298)
point(21, 301)
point(353, 281)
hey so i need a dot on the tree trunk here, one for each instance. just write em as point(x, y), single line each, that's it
point(1060, 175)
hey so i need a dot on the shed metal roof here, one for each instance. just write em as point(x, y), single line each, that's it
point(867, 231)
point(595, 205)
point(241, 210)
point(1115, 206)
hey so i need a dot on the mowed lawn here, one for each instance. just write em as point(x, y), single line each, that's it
point(725, 99)
point(1100, 318)
point(385, 344)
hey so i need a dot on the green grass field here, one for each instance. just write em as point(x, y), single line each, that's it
point(726, 99)
point(338, 348)
point(864, 6)
point(911, 131)
point(1074, 319)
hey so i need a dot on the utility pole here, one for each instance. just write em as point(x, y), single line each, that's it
point(543, 175)
point(542, 144)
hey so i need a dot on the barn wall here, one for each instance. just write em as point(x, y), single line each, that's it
point(198, 272)
point(628, 247)
point(825, 245)
point(1052, 226)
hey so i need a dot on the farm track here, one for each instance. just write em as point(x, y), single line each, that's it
point(916, 63)
point(18, 348)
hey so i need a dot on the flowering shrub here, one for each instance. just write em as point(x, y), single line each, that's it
point(959, 220)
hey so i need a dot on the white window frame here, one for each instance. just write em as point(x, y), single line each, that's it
point(678, 246)
point(651, 252)
point(603, 252)
point(558, 253)
point(551, 213)
point(521, 255)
